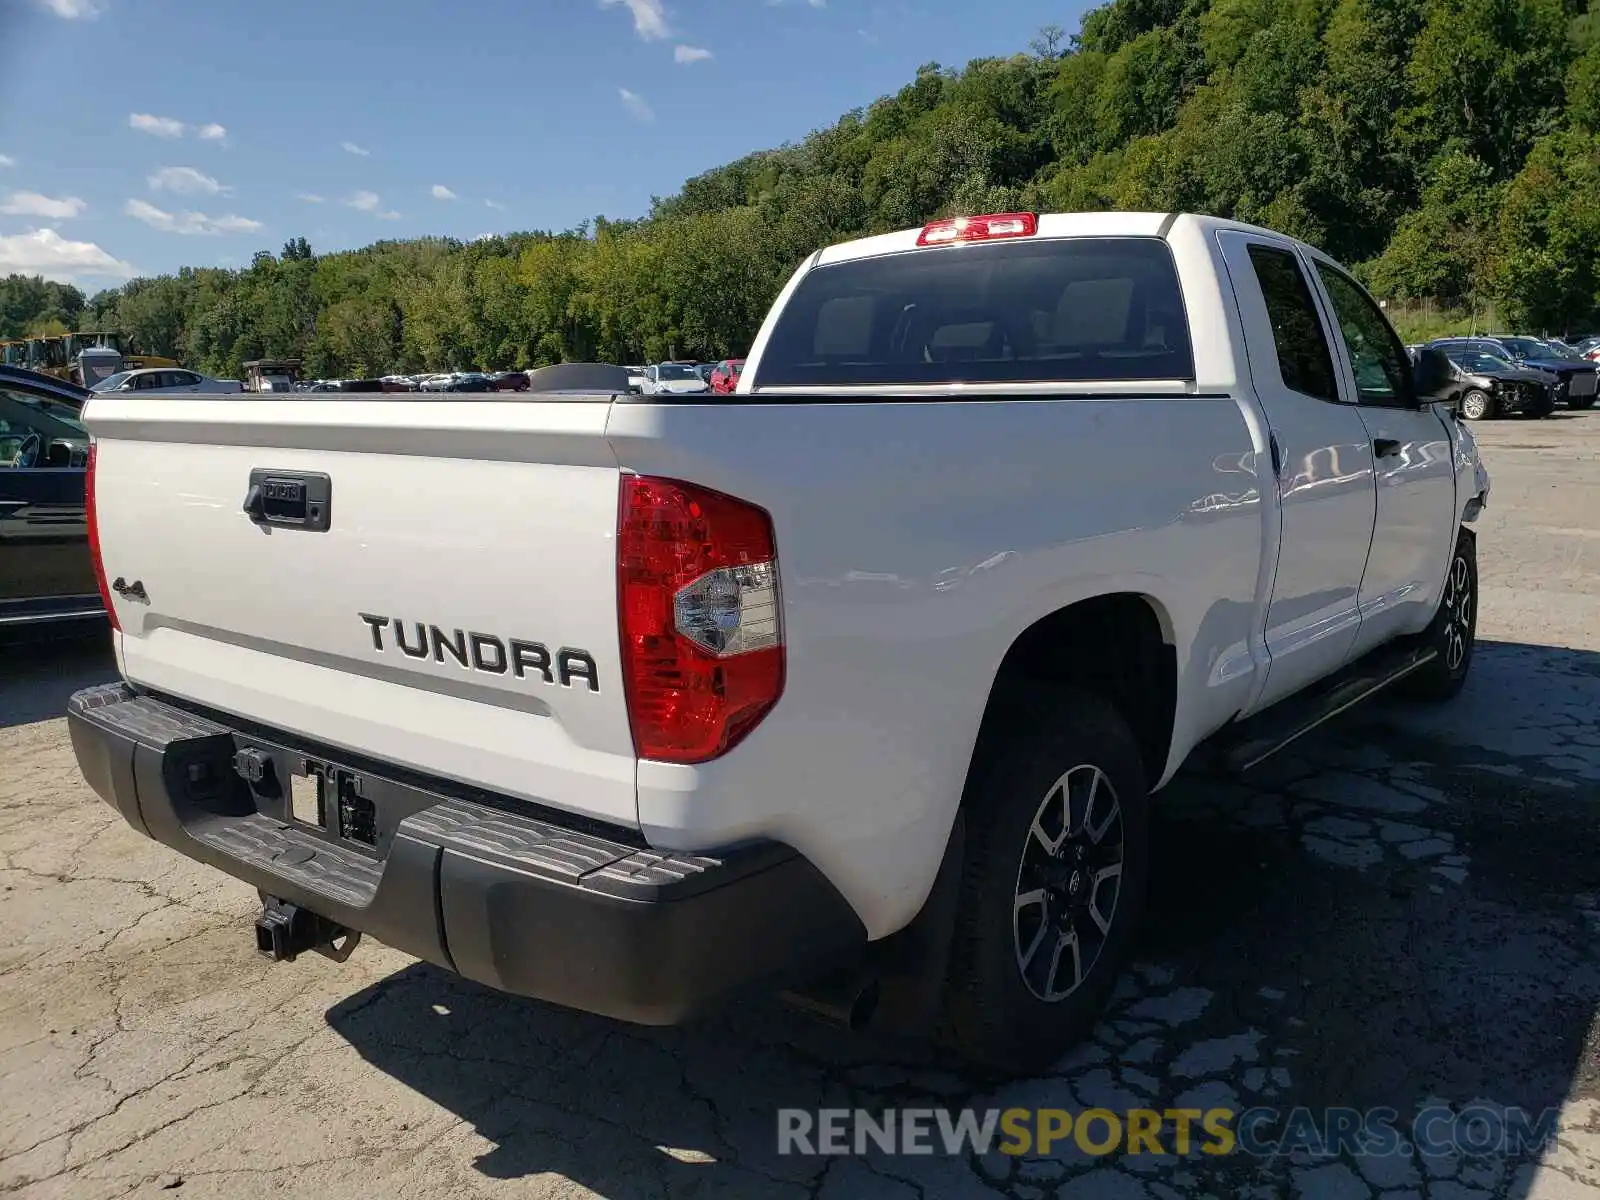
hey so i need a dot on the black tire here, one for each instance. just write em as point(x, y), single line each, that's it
point(1047, 750)
point(1478, 405)
point(1453, 630)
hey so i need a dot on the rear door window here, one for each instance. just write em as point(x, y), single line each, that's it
point(1304, 364)
point(1063, 310)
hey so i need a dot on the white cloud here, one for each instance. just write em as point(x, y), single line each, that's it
point(309, 197)
point(649, 18)
point(73, 10)
point(352, 148)
point(32, 204)
point(638, 107)
point(439, 192)
point(370, 202)
point(165, 127)
point(45, 252)
point(818, 3)
point(212, 133)
point(188, 222)
point(7, 161)
point(495, 204)
point(186, 181)
point(690, 54)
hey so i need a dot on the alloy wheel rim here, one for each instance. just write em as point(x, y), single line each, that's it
point(1069, 883)
point(1457, 614)
point(1475, 405)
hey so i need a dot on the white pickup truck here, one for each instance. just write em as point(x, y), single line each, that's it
point(854, 684)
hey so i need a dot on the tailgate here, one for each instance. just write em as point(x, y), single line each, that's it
point(457, 616)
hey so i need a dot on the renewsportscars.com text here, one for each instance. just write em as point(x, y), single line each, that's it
point(1475, 1131)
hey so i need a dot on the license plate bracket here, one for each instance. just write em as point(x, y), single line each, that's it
point(334, 800)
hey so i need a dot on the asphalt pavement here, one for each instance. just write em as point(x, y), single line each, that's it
point(1402, 917)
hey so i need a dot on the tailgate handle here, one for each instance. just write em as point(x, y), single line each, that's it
point(289, 499)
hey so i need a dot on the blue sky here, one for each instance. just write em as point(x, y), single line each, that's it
point(137, 136)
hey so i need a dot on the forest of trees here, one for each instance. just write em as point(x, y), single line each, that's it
point(1448, 148)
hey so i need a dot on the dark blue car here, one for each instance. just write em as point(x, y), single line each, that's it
point(46, 574)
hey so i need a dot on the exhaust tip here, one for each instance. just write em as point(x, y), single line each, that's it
point(849, 1002)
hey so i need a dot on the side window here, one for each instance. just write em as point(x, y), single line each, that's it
point(143, 383)
point(39, 434)
point(1303, 358)
point(1379, 360)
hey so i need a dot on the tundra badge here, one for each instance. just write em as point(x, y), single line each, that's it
point(486, 652)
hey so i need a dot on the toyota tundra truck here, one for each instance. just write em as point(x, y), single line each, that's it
point(854, 685)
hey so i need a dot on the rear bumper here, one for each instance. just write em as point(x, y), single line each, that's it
point(536, 905)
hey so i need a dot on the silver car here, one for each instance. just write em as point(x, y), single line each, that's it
point(158, 380)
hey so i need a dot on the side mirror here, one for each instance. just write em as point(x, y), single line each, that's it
point(1434, 377)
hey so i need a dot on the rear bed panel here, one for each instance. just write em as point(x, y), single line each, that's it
point(487, 524)
point(917, 537)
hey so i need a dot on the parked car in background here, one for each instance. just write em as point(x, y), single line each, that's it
point(725, 376)
point(1577, 380)
point(155, 380)
point(1566, 350)
point(673, 379)
point(469, 381)
point(1492, 386)
point(636, 378)
point(436, 383)
point(46, 573)
point(509, 381)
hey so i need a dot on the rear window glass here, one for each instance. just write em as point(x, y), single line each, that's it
point(1059, 310)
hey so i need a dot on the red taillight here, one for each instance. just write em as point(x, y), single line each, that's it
point(92, 518)
point(978, 229)
point(702, 632)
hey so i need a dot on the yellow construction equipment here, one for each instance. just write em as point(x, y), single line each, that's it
point(62, 356)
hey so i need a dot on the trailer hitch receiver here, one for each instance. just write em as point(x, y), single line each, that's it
point(284, 931)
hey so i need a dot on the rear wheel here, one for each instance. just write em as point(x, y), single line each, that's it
point(1477, 405)
point(1057, 856)
point(1453, 631)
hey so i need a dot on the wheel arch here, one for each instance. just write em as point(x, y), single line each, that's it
point(1120, 646)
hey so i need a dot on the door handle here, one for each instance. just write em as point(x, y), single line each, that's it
point(1385, 447)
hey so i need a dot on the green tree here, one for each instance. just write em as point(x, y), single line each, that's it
point(1440, 249)
point(1545, 270)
